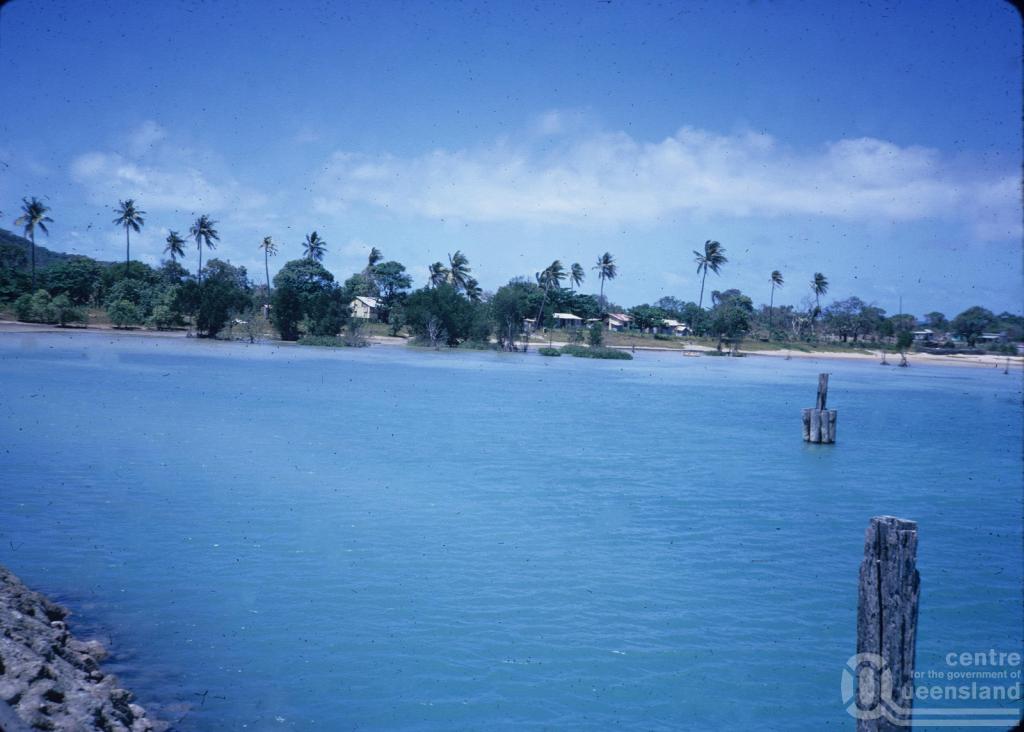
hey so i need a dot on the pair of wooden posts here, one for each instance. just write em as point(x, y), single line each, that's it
point(819, 422)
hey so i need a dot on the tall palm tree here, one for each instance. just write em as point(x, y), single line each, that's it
point(458, 270)
point(473, 290)
point(713, 258)
point(131, 219)
point(33, 216)
point(438, 274)
point(576, 275)
point(175, 245)
point(314, 247)
point(204, 232)
point(269, 250)
point(552, 276)
point(819, 286)
point(777, 281)
point(606, 270)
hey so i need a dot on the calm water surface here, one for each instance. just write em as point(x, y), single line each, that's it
point(284, 538)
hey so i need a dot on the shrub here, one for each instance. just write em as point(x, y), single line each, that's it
point(595, 336)
point(36, 308)
point(662, 337)
point(597, 352)
point(67, 312)
point(325, 341)
point(548, 351)
point(123, 314)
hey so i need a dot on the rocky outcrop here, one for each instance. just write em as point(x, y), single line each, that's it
point(50, 680)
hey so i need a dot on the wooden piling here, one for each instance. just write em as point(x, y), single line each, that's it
point(822, 391)
point(819, 423)
point(815, 425)
point(887, 602)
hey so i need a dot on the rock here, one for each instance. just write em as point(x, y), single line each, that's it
point(51, 680)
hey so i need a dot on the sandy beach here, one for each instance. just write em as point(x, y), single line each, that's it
point(990, 361)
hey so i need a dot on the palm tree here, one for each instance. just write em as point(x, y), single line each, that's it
point(269, 250)
point(131, 219)
point(438, 274)
point(33, 215)
point(713, 258)
point(576, 275)
point(314, 247)
point(819, 286)
point(375, 256)
point(606, 270)
point(777, 281)
point(175, 245)
point(204, 232)
point(552, 276)
point(473, 290)
point(458, 270)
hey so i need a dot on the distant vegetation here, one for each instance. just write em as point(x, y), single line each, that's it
point(305, 302)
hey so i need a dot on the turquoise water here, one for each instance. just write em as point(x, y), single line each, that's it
point(285, 538)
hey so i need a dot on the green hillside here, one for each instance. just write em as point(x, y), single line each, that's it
point(12, 247)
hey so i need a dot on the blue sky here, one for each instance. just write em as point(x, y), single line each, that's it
point(877, 143)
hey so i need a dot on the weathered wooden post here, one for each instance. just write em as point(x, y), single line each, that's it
point(887, 600)
point(819, 423)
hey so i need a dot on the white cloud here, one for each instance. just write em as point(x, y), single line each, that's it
point(607, 178)
point(162, 176)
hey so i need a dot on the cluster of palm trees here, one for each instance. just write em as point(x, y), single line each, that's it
point(456, 274)
point(713, 258)
point(35, 216)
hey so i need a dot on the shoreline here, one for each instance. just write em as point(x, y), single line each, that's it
point(989, 361)
point(51, 680)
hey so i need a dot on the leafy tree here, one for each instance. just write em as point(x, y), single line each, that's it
point(171, 272)
point(314, 247)
point(510, 307)
point(441, 308)
point(606, 270)
point(33, 216)
point(175, 245)
point(80, 278)
point(222, 292)
point(936, 321)
point(391, 284)
point(328, 311)
point(595, 335)
point(731, 315)
point(713, 257)
point(296, 286)
point(131, 219)
point(36, 307)
point(842, 317)
point(646, 317)
point(123, 314)
point(204, 232)
point(67, 312)
point(972, 322)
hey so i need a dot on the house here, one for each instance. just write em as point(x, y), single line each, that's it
point(617, 322)
point(924, 336)
point(365, 308)
point(567, 321)
point(674, 327)
point(992, 338)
